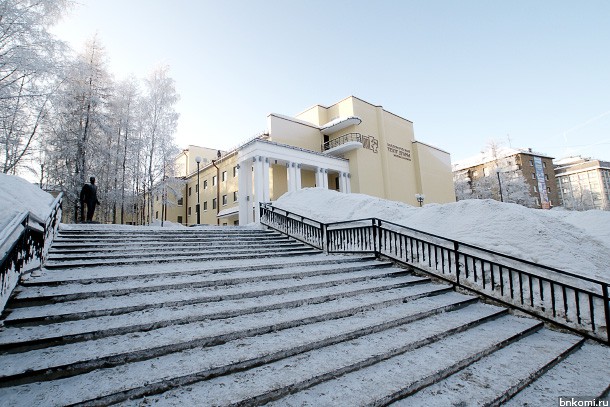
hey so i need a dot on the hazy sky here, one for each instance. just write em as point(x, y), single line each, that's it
point(465, 72)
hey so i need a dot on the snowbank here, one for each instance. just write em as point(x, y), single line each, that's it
point(18, 195)
point(577, 242)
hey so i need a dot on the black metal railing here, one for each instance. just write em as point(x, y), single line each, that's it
point(24, 240)
point(368, 142)
point(575, 302)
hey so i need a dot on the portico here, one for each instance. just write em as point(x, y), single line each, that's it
point(255, 160)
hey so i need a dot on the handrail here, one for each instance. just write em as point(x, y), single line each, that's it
point(20, 247)
point(342, 140)
point(579, 303)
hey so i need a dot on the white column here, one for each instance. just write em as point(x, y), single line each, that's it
point(325, 179)
point(259, 181)
point(266, 184)
point(343, 182)
point(297, 172)
point(348, 184)
point(320, 178)
point(245, 192)
point(291, 172)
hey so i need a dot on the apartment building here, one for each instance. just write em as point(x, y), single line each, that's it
point(350, 146)
point(583, 183)
point(508, 174)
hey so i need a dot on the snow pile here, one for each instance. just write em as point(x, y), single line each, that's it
point(18, 195)
point(577, 242)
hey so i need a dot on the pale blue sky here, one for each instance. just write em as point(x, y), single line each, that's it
point(464, 72)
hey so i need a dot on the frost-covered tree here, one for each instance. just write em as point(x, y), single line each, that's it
point(29, 57)
point(159, 125)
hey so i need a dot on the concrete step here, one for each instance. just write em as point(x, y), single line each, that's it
point(189, 257)
point(84, 241)
point(566, 378)
point(85, 305)
point(114, 384)
point(127, 273)
point(171, 251)
point(337, 321)
point(353, 297)
point(160, 246)
point(40, 295)
point(401, 374)
point(497, 377)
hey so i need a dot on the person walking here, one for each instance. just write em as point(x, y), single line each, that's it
point(88, 195)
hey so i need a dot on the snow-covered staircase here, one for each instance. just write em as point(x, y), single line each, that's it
point(239, 316)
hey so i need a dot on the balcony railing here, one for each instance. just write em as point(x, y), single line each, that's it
point(368, 142)
point(576, 302)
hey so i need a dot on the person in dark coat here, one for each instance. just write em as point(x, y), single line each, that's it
point(88, 195)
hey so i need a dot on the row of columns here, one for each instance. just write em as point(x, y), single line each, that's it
point(260, 166)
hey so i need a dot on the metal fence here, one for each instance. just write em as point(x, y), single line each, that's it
point(24, 239)
point(575, 302)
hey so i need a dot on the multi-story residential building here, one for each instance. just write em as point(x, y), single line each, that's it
point(351, 146)
point(508, 174)
point(583, 183)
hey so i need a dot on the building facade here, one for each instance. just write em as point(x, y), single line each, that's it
point(511, 175)
point(583, 183)
point(351, 146)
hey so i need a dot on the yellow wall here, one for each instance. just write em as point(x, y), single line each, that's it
point(433, 165)
point(294, 133)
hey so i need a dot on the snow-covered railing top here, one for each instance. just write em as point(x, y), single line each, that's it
point(576, 302)
point(25, 240)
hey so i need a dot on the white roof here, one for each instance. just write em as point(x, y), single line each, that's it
point(487, 156)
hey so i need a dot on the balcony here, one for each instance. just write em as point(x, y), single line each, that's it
point(349, 142)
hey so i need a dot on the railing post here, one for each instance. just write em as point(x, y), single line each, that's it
point(374, 236)
point(606, 311)
point(457, 262)
point(325, 241)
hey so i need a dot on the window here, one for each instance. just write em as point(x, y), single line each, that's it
point(205, 184)
point(236, 222)
point(189, 211)
point(224, 223)
point(190, 191)
point(531, 163)
point(548, 189)
point(157, 197)
point(214, 180)
point(180, 202)
point(224, 200)
point(214, 203)
point(546, 177)
point(234, 196)
point(157, 215)
point(543, 164)
point(486, 171)
point(224, 176)
point(179, 220)
point(197, 188)
point(235, 171)
point(205, 206)
point(533, 176)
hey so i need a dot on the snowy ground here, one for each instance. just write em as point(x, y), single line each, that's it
point(577, 242)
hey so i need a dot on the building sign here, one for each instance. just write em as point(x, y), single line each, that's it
point(399, 152)
point(370, 143)
point(544, 197)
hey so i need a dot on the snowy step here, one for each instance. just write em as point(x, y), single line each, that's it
point(394, 378)
point(173, 252)
point(497, 377)
point(189, 366)
point(147, 271)
point(356, 297)
point(95, 306)
point(72, 291)
point(160, 246)
point(110, 241)
point(566, 378)
point(76, 358)
point(179, 258)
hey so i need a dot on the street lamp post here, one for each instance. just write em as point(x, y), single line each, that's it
point(500, 185)
point(420, 198)
point(198, 207)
